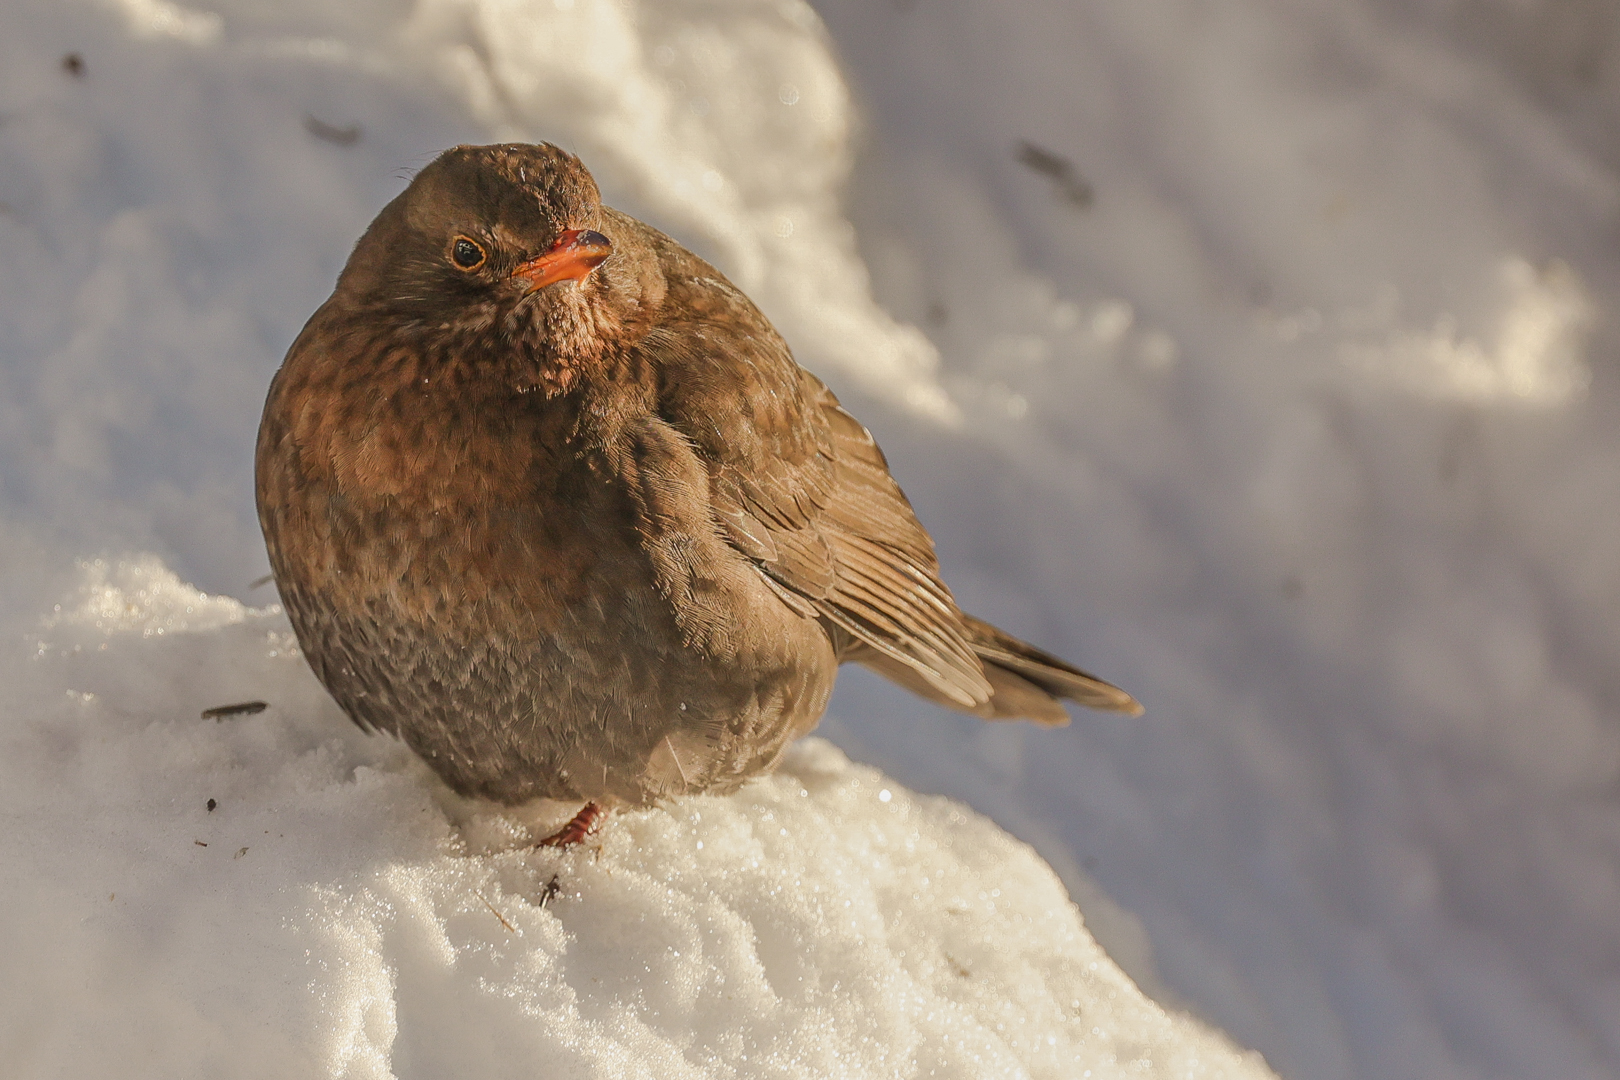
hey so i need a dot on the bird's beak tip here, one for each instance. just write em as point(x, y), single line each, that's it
point(572, 258)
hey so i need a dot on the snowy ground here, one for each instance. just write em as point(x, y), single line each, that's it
point(1266, 380)
point(278, 895)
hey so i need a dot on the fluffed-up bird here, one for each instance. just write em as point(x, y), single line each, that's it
point(548, 498)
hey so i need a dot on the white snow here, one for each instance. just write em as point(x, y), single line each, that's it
point(280, 895)
point(1302, 430)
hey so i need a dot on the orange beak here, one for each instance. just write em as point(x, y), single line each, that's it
point(575, 254)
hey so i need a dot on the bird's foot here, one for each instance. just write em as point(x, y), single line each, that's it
point(577, 829)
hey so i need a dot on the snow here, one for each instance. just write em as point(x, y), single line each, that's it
point(277, 894)
point(1300, 429)
point(1306, 432)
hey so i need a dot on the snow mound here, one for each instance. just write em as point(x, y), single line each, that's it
point(276, 894)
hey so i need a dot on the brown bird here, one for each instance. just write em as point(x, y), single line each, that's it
point(547, 497)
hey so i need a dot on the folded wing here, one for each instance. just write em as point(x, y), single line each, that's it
point(801, 488)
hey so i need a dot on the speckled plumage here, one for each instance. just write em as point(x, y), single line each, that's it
point(601, 540)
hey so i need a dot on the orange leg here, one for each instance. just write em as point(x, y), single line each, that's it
point(577, 829)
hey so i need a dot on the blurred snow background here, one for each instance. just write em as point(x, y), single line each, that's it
point(1252, 355)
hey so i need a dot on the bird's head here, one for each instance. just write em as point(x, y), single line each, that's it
point(504, 252)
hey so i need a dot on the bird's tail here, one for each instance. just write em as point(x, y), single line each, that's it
point(1029, 683)
point(1025, 683)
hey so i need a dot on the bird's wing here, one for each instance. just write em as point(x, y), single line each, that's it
point(799, 486)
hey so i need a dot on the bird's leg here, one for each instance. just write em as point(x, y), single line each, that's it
point(577, 829)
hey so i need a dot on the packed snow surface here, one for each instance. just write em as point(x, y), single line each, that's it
point(279, 895)
point(1252, 354)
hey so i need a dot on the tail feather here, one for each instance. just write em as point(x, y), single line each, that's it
point(1013, 697)
point(1025, 683)
point(1006, 658)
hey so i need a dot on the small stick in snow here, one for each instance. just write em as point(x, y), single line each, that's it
point(549, 893)
point(510, 929)
point(241, 708)
point(1060, 169)
point(337, 136)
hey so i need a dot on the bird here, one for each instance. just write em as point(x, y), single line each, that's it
point(549, 499)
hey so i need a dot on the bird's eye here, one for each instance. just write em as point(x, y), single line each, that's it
point(467, 254)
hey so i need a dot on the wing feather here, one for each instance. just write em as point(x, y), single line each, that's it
point(803, 491)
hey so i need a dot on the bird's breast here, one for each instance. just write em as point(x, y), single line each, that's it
point(447, 513)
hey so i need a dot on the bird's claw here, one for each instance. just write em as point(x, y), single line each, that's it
point(577, 829)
